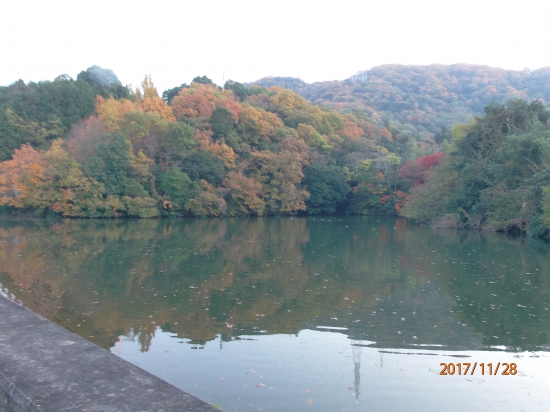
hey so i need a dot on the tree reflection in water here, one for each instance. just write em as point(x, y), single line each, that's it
point(396, 285)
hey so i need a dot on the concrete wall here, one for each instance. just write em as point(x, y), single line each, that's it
point(44, 367)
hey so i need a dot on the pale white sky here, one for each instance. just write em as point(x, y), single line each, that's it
point(175, 41)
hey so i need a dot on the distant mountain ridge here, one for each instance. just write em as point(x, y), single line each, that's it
point(420, 100)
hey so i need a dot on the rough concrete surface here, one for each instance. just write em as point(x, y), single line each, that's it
point(44, 367)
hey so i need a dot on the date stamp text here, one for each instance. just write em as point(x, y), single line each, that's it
point(466, 368)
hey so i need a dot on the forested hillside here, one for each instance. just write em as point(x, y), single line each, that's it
point(420, 101)
point(92, 148)
point(494, 175)
point(38, 113)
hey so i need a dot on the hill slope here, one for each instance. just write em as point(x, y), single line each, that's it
point(420, 100)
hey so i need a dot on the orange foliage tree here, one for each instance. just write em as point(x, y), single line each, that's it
point(220, 150)
point(25, 167)
point(198, 100)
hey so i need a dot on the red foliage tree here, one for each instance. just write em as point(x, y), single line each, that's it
point(416, 170)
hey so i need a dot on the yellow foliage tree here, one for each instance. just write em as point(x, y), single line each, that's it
point(220, 150)
point(111, 111)
point(281, 174)
point(286, 101)
point(258, 121)
point(152, 103)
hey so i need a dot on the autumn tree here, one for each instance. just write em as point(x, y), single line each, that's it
point(198, 100)
point(218, 149)
point(281, 175)
point(25, 167)
point(146, 131)
point(152, 103)
point(111, 111)
point(84, 138)
point(53, 181)
point(208, 202)
point(238, 151)
point(65, 190)
point(168, 95)
point(245, 195)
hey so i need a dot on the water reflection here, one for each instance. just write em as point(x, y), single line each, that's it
point(377, 279)
point(342, 301)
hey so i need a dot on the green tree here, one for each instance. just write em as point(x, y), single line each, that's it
point(179, 140)
point(221, 122)
point(203, 80)
point(327, 186)
point(112, 165)
point(493, 173)
point(176, 186)
point(204, 165)
point(39, 113)
point(237, 88)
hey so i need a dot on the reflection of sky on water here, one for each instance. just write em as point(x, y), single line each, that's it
point(220, 295)
point(320, 369)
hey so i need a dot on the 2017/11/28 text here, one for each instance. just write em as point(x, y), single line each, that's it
point(465, 368)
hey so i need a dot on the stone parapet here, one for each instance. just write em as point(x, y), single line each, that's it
point(44, 367)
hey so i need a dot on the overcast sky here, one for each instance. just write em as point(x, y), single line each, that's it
point(245, 40)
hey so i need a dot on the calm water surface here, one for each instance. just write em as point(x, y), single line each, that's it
point(270, 314)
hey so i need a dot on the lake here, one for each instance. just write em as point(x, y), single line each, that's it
point(282, 313)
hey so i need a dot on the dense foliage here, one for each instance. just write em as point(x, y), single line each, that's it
point(99, 149)
point(38, 113)
point(495, 174)
point(422, 101)
point(94, 148)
